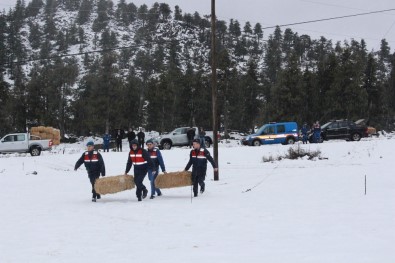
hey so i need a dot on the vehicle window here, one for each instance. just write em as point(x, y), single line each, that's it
point(334, 125)
point(343, 124)
point(184, 131)
point(280, 128)
point(269, 130)
point(20, 137)
point(9, 138)
point(177, 131)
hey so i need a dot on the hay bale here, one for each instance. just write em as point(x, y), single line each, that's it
point(41, 129)
point(174, 179)
point(114, 184)
point(34, 130)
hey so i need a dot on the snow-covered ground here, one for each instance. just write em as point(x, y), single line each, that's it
point(285, 211)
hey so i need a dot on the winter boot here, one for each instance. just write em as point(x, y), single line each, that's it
point(152, 197)
point(139, 199)
point(98, 196)
point(145, 193)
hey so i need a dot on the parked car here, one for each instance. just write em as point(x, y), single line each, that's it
point(342, 129)
point(178, 137)
point(271, 133)
point(24, 143)
point(235, 135)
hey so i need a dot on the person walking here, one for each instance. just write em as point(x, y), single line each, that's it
point(198, 160)
point(304, 132)
point(157, 161)
point(94, 165)
point(202, 136)
point(142, 162)
point(191, 136)
point(131, 135)
point(317, 132)
point(118, 139)
point(141, 138)
point(106, 142)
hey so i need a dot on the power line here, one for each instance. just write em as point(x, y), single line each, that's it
point(331, 18)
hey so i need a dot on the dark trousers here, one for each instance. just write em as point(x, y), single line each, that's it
point(141, 142)
point(138, 180)
point(106, 147)
point(92, 179)
point(190, 142)
point(198, 179)
point(119, 146)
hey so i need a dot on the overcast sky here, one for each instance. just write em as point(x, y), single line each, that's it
point(372, 27)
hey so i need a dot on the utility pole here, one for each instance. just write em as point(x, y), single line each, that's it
point(214, 86)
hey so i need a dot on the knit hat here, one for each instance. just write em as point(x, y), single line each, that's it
point(149, 141)
point(90, 143)
point(196, 140)
point(134, 142)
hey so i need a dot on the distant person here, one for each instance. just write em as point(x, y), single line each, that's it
point(202, 136)
point(94, 165)
point(157, 161)
point(141, 138)
point(106, 142)
point(142, 162)
point(191, 136)
point(198, 160)
point(304, 132)
point(118, 140)
point(131, 135)
point(317, 132)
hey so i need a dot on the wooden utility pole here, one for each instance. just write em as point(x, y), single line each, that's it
point(214, 86)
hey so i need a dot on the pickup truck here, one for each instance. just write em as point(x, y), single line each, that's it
point(178, 137)
point(24, 143)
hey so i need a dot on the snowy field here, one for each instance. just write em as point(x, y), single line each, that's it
point(295, 211)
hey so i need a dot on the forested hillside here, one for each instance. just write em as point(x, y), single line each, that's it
point(91, 65)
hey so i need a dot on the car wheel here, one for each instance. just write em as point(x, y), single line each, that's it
point(256, 143)
point(290, 140)
point(356, 137)
point(35, 151)
point(166, 145)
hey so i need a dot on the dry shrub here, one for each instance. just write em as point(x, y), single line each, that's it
point(174, 179)
point(114, 184)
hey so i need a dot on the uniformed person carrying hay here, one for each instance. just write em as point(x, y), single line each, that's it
point(94, 165)
point(198, 160)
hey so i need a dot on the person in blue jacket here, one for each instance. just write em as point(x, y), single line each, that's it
point(94, 165)
point(304, 132)
point(142, 162)
point(106, 142)
point(157, 160)
point(198, 160)
point(317, 132)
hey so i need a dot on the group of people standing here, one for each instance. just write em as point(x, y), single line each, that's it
point(131, 135)
point(315, 130)
point(147, 162)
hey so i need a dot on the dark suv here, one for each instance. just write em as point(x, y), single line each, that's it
point(342, 129)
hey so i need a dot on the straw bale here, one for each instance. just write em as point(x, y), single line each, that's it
point(174, 179)
point(41, 128)
point(55, 142)
point(48, 130)
point(114, 184)
point(34, 130)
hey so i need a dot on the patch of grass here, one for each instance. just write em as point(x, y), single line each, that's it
point(294, 154)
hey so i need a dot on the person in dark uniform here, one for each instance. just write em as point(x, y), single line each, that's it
point(131, 135)
point(191, 136)
point(198, 160)
point(118, 140)
point(141, 138)
point(94, 165)
point(142, 162)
